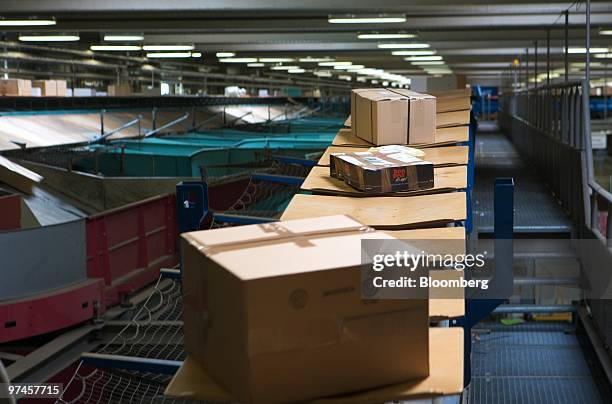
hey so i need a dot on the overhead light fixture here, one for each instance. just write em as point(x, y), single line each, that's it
point(403, 45)
point(169, 55)
point(314, 60)
point(335, 63)
point(26, 22)
point(238, 60)
point(345, 77)
point(255, 64)
point(413, 52)
point(349, 67)
point(168, 47)
point(294, 71)
point(591, 50)
point(603, 55)
point(428, 63)
point(113, 48)
point(49, 38)
point(284, 67)
point(366, 19)
point(323, 73)
point(605, 31)
point(276, 60)
point(225, 54)
point(196, 54)
point(385, 36)
point(422, 58)
point(121, 37)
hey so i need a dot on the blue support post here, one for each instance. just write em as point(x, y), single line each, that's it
point(145, 365)
point(192, 205)
point(469, 222)
point(477, 308)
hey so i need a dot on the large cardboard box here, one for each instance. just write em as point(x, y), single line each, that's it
point(380, 172)
point(275, 314)
point(16, 87)
point(62, 88)
point(119, 90)
point(384, 117)
point(48, 88)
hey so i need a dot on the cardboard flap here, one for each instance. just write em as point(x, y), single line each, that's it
point(380, 94)
point(192, 382)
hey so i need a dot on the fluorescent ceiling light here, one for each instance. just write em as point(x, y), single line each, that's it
point(591, 50)
point(345, 77)
point(49, 38)
point(335, 63)
point(606, 31)
point(603, 55)
point(196, 54)
point(413, 52)
point(126, 37)
point(351, 67)
point(238, 60)
point(255, 64)
point(403, 45)
point(119, 48)
point(26, 22)
point(225, 54)
point(296, 71)
point(323, 73)
point(420, 58)
point(385, 36)
point(169, 55)
point(275, 60)
point(167, 47)
point(314, 60)
point(284, 67)
point(425, 63)
point(366, 19)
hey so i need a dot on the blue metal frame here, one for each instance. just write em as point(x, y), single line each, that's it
point(477, 309)
point(241, 219)
point(278, 179)
point(191, 205)
point(138, 364)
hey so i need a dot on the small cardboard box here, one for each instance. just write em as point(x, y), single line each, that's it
point(275, 314)
point(377, 172)
point(119, 90)
point(48, 88)
point(383, 117)
point(16, 87)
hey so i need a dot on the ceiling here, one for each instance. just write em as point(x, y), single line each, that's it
point(479, 39)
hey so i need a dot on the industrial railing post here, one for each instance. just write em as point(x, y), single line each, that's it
point(566, 55)
point(587, 67)
point(154, 119)
point(102, 111)
point(548, 57)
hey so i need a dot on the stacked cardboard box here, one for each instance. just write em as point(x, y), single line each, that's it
point(119, 90)
point(382, 116)
point(275, 314)
point(48, 88)
point(16, 87)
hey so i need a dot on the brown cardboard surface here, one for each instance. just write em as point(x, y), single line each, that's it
point(348, 121)
point(62, 88)
point(259, 299)
point(458, 93)
point(192, 382)
point(445, 179)
point(421, 118)
point(380, 116)
point(18, 176)
point(16, 87)
point(444, 136)
point(438, 233)
point(48, 88)
point(453, 104)
point(385, 212)
point(453, 118)
point(439, 156)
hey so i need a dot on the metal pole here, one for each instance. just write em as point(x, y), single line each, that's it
point(535, 72)
point(587, 67)
point(566, 46)
point(548, 57)
point(102, 122)
point(527, 68)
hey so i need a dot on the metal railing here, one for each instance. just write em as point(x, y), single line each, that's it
point(551, 126)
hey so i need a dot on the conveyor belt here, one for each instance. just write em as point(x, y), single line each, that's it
point(535, 209)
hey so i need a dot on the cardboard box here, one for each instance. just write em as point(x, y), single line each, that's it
point(62, 88)
point(16, 87)
point(48, 88)
point(383, 117)
point(379, 172)
point(275, 314)
point(119, 90)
